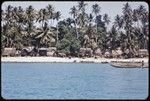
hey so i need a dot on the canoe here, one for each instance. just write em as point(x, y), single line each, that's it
point(129, 64)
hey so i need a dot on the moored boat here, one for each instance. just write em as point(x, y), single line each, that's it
point(129, 64)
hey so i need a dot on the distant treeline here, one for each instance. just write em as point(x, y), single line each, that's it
point(81, 30)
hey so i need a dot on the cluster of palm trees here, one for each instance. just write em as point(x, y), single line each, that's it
point(129, 31)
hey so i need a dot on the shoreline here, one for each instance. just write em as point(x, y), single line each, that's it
point(67, 60)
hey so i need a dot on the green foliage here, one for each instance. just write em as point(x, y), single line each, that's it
point(63, 46)
point(80, 30)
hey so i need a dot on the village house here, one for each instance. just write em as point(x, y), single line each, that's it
point(143, 53)
point(9, 52)
point(42, 51)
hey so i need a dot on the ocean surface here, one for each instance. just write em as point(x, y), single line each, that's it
point(72, 81)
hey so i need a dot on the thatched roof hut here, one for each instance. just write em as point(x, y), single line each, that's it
point(89, 52)
point(117, 53)
point(9, 52)
point(51, 51)
point(61, 54)
point(98, 52)
point(82, 52)
point(42, 51)
point(127, 51)
point(18, 53)
point(85, 52)
point(107, 54)
point(29, 49)
point(143, 52)
point(26, 51)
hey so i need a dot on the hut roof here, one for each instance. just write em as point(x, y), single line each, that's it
point(107, 53)
point(119, 51)
point(98, 50)
point(42, 48)
point(8, 51)
point(88, 49)
point(114, 53)
point(143, 51)
point(30, 48)
point(51, 49)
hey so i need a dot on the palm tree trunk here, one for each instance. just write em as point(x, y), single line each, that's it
point(76, 30)
point(57, 35)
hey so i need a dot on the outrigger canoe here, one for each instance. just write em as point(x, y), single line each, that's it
point(129, 64)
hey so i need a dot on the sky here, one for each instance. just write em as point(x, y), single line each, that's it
point(111, 8)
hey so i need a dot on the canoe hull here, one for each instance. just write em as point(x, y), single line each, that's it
point(128, 65)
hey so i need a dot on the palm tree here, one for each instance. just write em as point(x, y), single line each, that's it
point(57, 17)
point(42, 16)
point(45, 37)
point(106, 19)
point(96, 11)
point(82, 16)
point(144, 20)
point(30, 17)
point(81, 6)
point(9, 26)
point(128, 22)
point(90, 18)
point(8, 14)
point(135, 17)
point(82, 20)
point(114, 39)
point(118, 22)
point(50, 11)
point(21, 17)
point(74, 12)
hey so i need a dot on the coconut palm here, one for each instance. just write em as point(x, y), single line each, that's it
point(42, 16)
point(82, 18)
point(30, 17)
point(128, 22)
point(74, 12)
point(135, 17)
point(45, 37)
point(142, 20)
point(8, 14)
point(81, 6)
point(114, 39)
point(96, 11)
point(90, 18)
point(57, 17)
point(106, 19)
point(50, 12)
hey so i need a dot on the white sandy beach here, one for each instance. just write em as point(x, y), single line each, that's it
point(67, 60)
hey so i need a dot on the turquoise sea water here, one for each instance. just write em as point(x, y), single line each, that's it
point(72, 81)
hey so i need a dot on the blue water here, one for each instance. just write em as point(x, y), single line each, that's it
point(72, 81)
